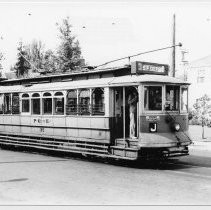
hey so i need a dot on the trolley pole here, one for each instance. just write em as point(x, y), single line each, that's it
point(173, 44)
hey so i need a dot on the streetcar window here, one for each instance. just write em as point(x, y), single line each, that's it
point(172, 98)
point(84, 102)
point(184, 99)
point(35, 103)
point(25, 102)
point(58, 94)
point(47, 103)
point(15, 103)
point(46, 94)
point(153, 98)
point(7, 103)
point(71, 107)
point(1, 103)
point(98, 102)
point(35, 95)
point(58, 103)
point(25, 95)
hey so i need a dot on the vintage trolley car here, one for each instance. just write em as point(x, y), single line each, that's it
point(130, 112)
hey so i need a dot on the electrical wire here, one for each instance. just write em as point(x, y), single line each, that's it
point(130, 56)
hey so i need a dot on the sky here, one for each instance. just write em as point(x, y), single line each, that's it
point(108, 30)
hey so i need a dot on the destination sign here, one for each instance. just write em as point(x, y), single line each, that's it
point(139, 67)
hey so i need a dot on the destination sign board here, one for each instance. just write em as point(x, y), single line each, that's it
point(139, 67)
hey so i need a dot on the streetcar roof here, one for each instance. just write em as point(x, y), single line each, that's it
point(103, 82)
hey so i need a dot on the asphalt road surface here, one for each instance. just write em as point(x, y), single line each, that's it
point(36, 179)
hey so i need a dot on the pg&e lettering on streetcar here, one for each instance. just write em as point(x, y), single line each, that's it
point(41, 121)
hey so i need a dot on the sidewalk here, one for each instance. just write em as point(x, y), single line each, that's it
point(195, 132)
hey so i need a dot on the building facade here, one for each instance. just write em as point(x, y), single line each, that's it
point(199, 75)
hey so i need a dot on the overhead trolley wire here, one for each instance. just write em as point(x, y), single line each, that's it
point(130, 56)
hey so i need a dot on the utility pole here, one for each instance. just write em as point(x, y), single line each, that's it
point(173, 44)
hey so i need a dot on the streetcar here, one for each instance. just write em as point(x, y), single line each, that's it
point(129, 112)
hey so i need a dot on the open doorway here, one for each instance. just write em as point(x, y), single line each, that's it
point(131, 111)
point(118, 112)
point(126, 112)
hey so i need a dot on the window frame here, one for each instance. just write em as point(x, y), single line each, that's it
point(2, 112)
point(179, 98)
point(184, 87)
point(12, 105)
point(42, 106)
point(91, 102)
point(64, 95)
point(77, 100)
point(21, 105)
point(33, 98)
point(162, 97)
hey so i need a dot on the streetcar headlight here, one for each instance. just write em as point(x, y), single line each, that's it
point(176, 126)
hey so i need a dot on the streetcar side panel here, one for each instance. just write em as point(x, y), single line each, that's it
point(67, 127)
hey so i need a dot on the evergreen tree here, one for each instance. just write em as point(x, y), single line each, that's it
point(22, 66)
point(50, 61)
point(69, 51)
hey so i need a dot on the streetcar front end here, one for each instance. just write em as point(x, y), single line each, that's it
point(164, 120)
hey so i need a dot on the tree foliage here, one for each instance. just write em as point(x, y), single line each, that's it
point(1, 59)
point(202, 109)
point(22, 65)
point(51, 62)
point(35, 54)
point(35, 58)
point(69, 51)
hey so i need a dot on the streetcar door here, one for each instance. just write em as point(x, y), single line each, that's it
point(131, 112)
point(126, 112)
point(118, 112)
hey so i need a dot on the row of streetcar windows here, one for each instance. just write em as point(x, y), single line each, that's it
point(153, 98)
point(86, 101)
point(82, 102)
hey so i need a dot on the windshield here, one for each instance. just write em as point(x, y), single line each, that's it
point(172, 98)
point(153, 98)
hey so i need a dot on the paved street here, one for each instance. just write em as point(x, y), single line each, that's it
point(40, 180)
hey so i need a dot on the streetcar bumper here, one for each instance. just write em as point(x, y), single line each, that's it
point(175, 151)
point(164, 140)
point(164, 144)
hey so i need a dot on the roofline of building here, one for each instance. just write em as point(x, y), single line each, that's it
point(74, 73)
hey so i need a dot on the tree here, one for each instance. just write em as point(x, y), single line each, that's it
point(22, 66)
point(69, 51)
point(1, 59)
point(51, 62)
point(202, 110)
point(35, 54)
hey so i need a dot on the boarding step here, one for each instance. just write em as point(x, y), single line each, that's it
point(124, 152)
point(126, 142)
